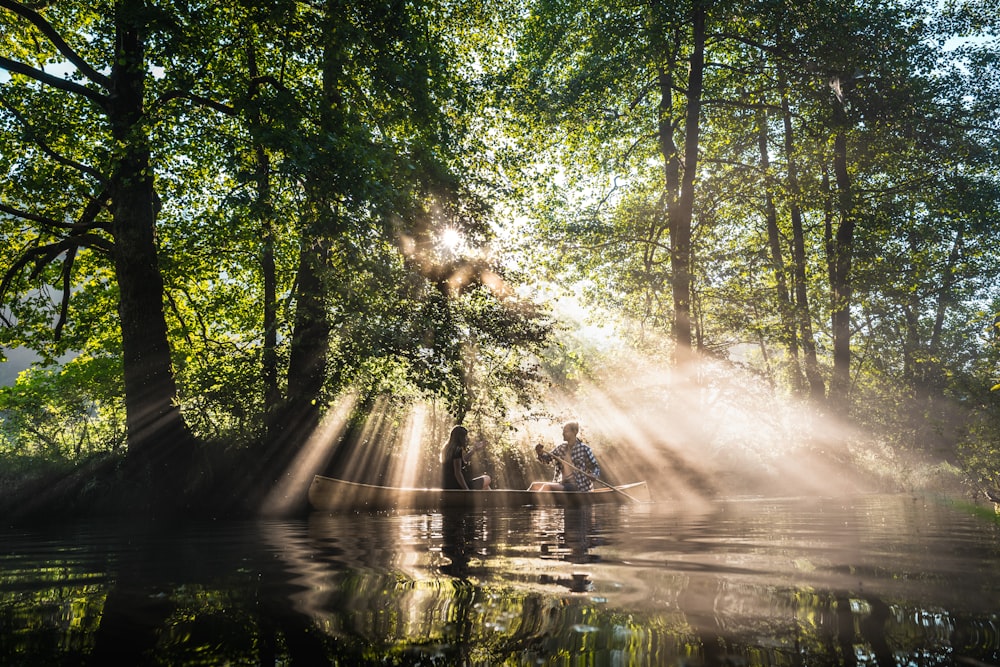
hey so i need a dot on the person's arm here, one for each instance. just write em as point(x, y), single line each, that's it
point(563, 453)
point(593, 462)
point(467, 455)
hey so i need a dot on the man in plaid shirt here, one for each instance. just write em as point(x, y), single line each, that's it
point(573, 477)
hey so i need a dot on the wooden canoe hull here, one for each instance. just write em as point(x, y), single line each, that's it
point(329, 494)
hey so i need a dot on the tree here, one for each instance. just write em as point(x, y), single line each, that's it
point(831, 126)
point(115, 213)
point(609, 99)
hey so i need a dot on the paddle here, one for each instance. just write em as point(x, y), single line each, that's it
point(593, 477)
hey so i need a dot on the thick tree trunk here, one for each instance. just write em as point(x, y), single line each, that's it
point(308, 356)
point(265, 214)
point(158, 438)
point(310, 340)
point(671, 168)
point(269, 353)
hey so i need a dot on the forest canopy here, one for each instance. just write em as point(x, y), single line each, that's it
point(715, 232)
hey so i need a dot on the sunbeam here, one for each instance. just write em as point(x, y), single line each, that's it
point(405, 469)
point(311, 459)
point(693, 435)
point(367, 462)
point(696, 434)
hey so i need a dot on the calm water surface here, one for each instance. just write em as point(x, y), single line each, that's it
point(875, 580)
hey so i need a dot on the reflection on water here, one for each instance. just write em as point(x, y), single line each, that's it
point(869, 581)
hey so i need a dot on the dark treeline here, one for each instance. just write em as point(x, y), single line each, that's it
point(220, 219)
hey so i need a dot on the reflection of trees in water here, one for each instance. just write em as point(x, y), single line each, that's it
point(182, 599)
point(471, 587)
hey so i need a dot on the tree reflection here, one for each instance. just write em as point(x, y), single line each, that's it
point(525, 586)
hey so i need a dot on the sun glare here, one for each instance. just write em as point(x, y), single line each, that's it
point(452, 239)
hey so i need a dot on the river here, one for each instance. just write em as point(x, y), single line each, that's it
point(867, 580)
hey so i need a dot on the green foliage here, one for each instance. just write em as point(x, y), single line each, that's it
point(64, 412)
point(980, 439)
point(282, 133)
point(919, 124)
point(351, 132)
point(979, 450)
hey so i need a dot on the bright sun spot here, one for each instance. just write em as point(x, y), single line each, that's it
point(451, 238)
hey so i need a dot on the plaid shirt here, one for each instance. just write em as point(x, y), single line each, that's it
point(582, 457)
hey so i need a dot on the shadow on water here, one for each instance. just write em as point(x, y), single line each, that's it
point(867, 581)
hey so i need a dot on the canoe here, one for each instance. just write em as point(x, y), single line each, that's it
point(329, 494)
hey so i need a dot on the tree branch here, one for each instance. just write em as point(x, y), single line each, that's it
point(94, 242)
point(54, 81)
point(46, 28)
point(258, 82)
point(631, 240)
point(44, 255)
point(86, 221)
point(88, 217)
point(255, 84)
point(197, 99)
point(67, 162)
point(67, 272)
point(34, 217)
point(11, 273)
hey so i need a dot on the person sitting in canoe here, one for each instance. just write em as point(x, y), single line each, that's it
point(454, 458)
point(575, 464)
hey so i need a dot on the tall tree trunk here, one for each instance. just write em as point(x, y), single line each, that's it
point(912, 307)
point(803, 317)
point(671, 169)
point(922, 367)
point(840, 259)
point(158, 437)
point(785, 306)
point(680, 178)
point(307, 360)
point(308, 356)
point(265, 213)
point(945, 298)
point(269, 353)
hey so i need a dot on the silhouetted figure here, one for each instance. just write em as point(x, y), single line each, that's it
point(454, 460)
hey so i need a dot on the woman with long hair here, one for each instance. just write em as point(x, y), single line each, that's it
point(454, 459)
